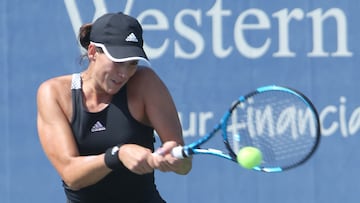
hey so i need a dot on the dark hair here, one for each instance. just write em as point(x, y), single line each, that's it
point(84, 39)
point(84, 35)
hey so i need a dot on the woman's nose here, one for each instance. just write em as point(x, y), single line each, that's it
point(121, 74)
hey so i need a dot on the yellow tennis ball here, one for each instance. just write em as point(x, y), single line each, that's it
point(249, 157)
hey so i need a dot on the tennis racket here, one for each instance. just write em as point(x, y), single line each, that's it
point(281, 122)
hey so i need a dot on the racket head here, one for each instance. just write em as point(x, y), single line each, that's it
point(281, 122)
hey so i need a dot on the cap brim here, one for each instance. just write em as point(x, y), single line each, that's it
point(123, 53)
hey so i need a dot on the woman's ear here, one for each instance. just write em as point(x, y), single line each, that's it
point(91, 52)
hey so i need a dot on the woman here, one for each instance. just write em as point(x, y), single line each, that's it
point(96, 127)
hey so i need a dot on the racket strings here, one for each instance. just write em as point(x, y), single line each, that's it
point(282, 125)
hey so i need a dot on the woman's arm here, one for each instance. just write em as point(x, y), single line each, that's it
point(161, 113)
point(58, 143)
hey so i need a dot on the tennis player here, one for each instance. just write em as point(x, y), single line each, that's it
point(97, 127)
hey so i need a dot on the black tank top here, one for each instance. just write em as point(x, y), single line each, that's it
point(96, 132)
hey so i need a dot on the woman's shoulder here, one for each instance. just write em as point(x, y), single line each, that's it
point(55, 85)
point(57, 81)
point(145, 81)
point(144, 70)
point(145, 74)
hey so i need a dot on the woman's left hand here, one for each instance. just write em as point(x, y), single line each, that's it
point(164, 161)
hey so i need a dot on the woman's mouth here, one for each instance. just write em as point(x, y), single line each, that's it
point(117, 82)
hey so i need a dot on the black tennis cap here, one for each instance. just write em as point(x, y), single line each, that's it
point(120, 37)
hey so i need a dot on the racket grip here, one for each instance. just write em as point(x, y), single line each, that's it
point(178, 152)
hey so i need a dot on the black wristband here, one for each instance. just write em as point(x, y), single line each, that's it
point(112, 160)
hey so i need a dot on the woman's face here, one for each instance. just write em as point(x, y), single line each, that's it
point(112, 76)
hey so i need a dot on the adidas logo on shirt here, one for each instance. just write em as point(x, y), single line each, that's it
point(97, 127)
point(131, 38)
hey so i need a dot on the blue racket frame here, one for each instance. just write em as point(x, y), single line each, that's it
point(194, 148)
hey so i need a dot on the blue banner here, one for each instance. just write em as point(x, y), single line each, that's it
point(208, 53)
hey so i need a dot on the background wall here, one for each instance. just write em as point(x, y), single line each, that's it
point(208, 52)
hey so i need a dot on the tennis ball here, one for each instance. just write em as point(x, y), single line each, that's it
point(249, 157)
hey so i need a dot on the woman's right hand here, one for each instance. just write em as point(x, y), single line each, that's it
point(136, 158)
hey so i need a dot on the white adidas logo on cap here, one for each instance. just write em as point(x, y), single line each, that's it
point(131, 38)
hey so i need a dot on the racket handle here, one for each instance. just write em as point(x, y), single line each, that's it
point(178, 152)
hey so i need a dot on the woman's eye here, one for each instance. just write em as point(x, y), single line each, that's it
point(134, 63)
